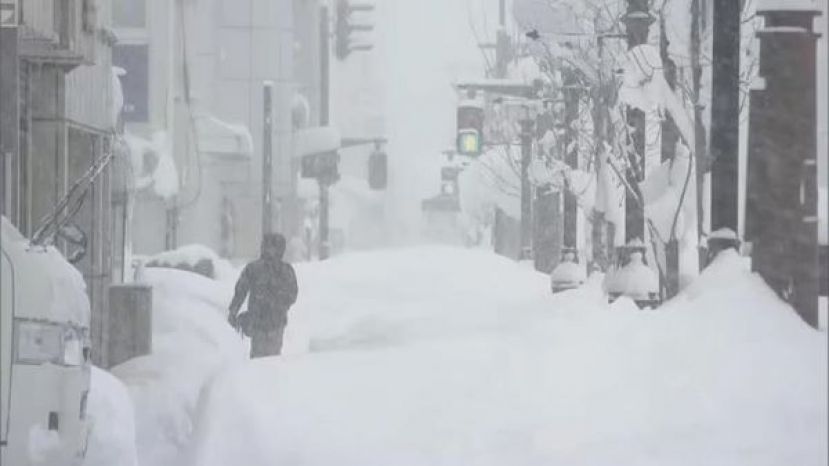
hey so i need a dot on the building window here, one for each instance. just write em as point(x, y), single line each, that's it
point(135, 83)
point(129, 13)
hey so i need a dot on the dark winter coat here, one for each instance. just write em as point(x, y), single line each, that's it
point(271, 286)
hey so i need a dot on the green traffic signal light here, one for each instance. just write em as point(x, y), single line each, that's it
point(469, 142)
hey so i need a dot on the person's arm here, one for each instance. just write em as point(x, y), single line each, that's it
point(291, 287)
point(242, 288)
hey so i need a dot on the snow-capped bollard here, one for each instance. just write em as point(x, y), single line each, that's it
point(569, 273)
point(632, 277)
point(720, 240)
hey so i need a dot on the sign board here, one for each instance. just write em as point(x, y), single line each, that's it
point(9, 14)
point(321, 166)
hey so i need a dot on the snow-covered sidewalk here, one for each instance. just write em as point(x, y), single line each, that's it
point(444, 356)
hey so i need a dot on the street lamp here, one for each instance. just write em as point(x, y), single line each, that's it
point(637, 22)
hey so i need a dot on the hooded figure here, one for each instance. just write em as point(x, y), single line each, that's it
point(272, 289)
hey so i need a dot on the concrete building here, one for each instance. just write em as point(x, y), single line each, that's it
point(195, 72)
point(57, 125)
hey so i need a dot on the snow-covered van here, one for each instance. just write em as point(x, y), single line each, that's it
point(44, 355)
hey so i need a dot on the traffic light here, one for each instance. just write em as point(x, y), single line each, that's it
point(470, 129)
point(378, 170)
point(344, 27)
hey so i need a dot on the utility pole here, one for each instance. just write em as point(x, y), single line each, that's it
point(700, 150)
point(267, 160)
point(781, 201)
point(637, 22)
point(725, 116)
point(325, 70)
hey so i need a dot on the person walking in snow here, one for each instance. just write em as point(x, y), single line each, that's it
point(271, 284)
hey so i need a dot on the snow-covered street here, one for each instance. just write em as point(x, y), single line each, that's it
point(435, 355)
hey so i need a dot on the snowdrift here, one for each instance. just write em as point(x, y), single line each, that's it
point(112, 435)
point(191, 342)
point(436, 356)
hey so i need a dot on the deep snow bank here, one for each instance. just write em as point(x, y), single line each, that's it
point(434, 356)
point(191, 342)
point(112, 435)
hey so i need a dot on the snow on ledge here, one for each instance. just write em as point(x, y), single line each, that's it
point(787, 5)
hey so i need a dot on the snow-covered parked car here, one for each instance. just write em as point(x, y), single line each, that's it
point(44, 355)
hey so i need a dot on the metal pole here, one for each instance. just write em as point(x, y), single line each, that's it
point(571, 110)
point(324, 66)
point(700, 154)
point(324, 246)
point(526, 202)
point(325, 96)
point(637, 34)
point(725, 115)
point(267, 160)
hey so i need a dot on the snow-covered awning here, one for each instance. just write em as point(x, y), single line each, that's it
point(220, 137)
point(787, 5)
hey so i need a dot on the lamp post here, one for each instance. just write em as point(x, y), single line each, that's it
point(637, 24)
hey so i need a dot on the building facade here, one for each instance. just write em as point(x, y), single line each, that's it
point(193, 85)
point(58, 133)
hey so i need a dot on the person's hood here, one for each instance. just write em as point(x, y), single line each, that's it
point(276, 241)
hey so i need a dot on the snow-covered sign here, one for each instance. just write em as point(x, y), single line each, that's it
point(787, 5)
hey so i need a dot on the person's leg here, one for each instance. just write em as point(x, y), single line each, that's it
point(258, 344)
point(278, 337)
